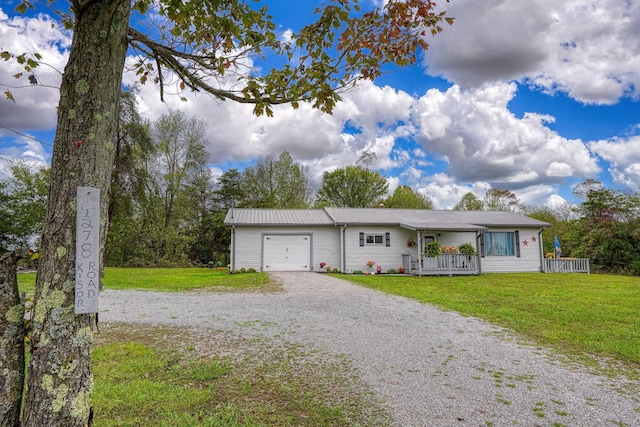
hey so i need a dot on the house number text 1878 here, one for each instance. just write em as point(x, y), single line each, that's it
point(87, 250)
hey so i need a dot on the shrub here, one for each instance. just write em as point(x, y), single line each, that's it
point(336, 270)
point(392, 271)
point(357, 272)
point(634, 268)
point(251, 270)
point(243, 270)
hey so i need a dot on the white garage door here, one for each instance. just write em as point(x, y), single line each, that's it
point(286, 252)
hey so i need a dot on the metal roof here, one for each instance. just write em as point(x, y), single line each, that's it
point(443, 227)
point(416, 219)
point(277, 217)
point(427, 219)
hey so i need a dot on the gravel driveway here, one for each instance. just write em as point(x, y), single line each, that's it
point(431, 367)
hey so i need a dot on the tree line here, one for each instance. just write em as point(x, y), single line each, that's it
point(166, 209)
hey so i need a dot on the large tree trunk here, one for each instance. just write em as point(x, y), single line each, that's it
point(12, 343)
point(60, 380)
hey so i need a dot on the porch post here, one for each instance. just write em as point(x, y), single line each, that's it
point(420, 249)
point(478, 257)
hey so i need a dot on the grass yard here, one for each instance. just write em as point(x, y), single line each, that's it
point(171, 280)
point(158, 376)
point(577, 314)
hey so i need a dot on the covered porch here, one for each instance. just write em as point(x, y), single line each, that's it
point(420, 263)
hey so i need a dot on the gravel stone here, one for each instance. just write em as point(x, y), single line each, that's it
point(430, 367)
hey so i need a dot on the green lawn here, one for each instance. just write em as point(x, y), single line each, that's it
point(170, 279)
point(577, 314)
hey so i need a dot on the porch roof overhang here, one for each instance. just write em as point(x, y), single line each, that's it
point(442, 227)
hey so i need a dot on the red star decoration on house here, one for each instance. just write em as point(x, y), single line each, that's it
point(533, 238)
point(525, 242)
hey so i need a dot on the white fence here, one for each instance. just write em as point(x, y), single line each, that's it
point(449, 264)
point(566, 265)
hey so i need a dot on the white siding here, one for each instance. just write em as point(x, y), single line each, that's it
point(529, 260)
point(385, 257)
point(247, 248)
point(325, 245)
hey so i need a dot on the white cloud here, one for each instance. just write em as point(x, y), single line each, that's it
point(24, 150)
point(481, 140)
point(34, 105)
point(623, 156)
point(588, 49)
point(312, 137)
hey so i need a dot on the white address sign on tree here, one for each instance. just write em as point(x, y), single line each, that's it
point(87, 250)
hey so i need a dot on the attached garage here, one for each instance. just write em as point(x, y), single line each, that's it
point(286, 252)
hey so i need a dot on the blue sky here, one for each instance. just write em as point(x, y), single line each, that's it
point(531, 96)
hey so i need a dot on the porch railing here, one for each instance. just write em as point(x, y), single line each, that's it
point(448, 264)
point(566, 265)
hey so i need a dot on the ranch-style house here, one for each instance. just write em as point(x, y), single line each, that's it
point(351, 239)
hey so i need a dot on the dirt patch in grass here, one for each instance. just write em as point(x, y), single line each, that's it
point(150, 375)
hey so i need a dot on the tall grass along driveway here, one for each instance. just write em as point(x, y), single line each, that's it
point(430, 367)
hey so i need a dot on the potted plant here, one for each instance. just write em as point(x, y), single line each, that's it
point(433, 249)
point(370, 264)
point(322, 264)
point(467, 249)
point(401, 270)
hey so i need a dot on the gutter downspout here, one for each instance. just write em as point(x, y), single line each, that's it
point(233, 247)
point(542, 263)
point(343, 255)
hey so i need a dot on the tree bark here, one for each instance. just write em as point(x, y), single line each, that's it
point(59, 377)
point(12, 344)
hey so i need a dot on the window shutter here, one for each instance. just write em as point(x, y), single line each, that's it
point(387, 239)
point(482, 245)
point(518, 243)
point(361, 239)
